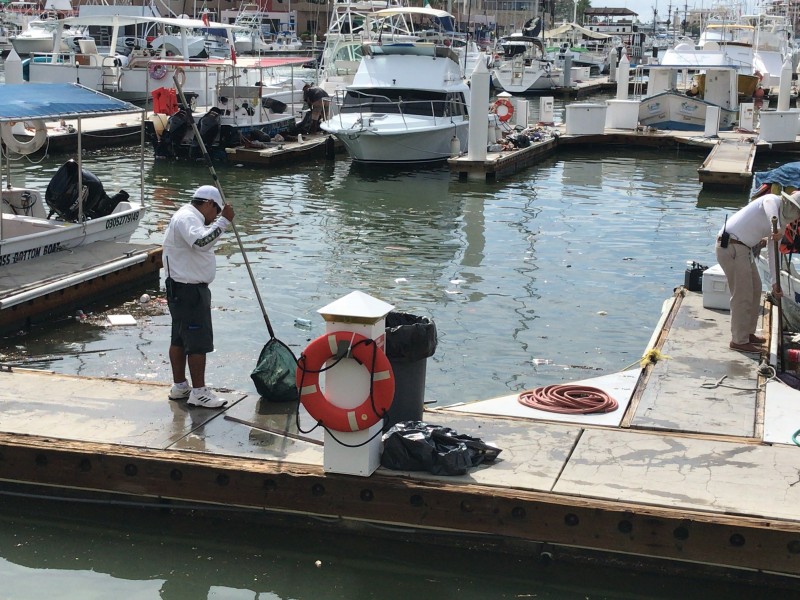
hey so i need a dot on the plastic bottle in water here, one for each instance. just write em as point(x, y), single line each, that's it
point(303, 323)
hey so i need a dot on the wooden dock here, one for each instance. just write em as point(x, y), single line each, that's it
point(730, 164)
point(319, 145)
point(56, 284)
point(678, 478)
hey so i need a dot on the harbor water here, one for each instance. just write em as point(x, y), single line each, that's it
point(555, 274)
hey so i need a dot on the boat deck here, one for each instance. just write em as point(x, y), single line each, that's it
point(680, 471)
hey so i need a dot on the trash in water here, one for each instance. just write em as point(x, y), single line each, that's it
point(121, 320)
point(602, 313)
point(144, 299)
point(456, 281)
point(303, 323)
point(401, 280)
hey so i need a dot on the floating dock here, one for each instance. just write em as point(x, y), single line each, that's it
point(680, 477)
point(729, 163)
point(47, 286)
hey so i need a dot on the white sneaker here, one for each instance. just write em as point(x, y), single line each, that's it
point(205, 398)
point(179, 391)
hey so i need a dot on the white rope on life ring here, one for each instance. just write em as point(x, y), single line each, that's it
point(503, 109)
point(24, 146)
point(157, 71)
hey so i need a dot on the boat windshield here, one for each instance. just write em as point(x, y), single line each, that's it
point(404, 101)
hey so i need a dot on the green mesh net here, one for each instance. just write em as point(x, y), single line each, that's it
point(274, 374)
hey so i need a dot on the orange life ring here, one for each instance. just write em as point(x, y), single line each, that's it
point(503, 109)
point(366, 352)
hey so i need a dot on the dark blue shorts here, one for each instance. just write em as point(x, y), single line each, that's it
point(190, 308)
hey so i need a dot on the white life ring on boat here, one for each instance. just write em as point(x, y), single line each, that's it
point(179, 76)
point(503, 109)
point(24, 146)
point(157, 71)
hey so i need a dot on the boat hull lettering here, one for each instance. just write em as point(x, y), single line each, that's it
point(123, 220)
point(15, 257)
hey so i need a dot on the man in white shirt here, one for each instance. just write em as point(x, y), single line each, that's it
point(746, 232)
point(190, 265)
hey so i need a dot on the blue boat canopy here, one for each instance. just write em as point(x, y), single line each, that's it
point(787, 175)
point(52, 101)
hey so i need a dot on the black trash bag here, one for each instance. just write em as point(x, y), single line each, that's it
point(419, 446)
point(275, 372)
point(409, 337)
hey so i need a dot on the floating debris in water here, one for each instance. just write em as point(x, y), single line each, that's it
point(602, 313)
point(456, 281)
point(302, 323)
point(542, 361)
point(401, 280)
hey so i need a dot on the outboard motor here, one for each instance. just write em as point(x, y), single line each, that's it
point(62, 194)
point(177, 126)
point(208, 126)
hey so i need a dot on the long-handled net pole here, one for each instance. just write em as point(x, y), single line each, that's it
point(218, 185)
point(777, 259)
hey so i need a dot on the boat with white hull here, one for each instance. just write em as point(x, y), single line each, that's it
point(27, 229)
point(671, 101)
point(408, 103)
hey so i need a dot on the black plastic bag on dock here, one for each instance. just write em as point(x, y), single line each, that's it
point(418, 446)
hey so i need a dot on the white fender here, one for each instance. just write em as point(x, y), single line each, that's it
point(24, 146)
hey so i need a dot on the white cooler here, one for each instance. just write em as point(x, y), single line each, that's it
point(716, 293)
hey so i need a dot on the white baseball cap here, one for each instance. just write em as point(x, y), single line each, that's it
point(210, 194)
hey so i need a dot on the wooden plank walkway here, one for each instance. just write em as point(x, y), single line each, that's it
point(636, 485)
point(730, 164)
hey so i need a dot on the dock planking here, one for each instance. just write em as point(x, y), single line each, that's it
point(633, 488)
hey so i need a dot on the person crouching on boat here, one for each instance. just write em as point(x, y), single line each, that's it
point(315, 97)
point(739, 240)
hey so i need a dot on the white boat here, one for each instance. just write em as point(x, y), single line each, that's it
point(408, 103)
point(246, 116)
point(133, 75)
point(42, 222)
point(40, 37)
point(672, 102)
point(521, 66)
point(584, 47)
point(257, 35)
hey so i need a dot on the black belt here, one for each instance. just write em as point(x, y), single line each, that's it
point(733, 241)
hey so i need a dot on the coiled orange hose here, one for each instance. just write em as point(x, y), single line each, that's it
point(569, 399)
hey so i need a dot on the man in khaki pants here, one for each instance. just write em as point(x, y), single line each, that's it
point(743, 235)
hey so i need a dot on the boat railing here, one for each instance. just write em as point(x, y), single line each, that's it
point(368, 105)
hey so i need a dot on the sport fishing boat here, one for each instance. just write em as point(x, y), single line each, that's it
point(408, 102)
point(42, 222)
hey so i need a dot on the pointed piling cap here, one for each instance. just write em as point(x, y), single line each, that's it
point(356, 307)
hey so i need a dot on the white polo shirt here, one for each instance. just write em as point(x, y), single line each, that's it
point(188, 250)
